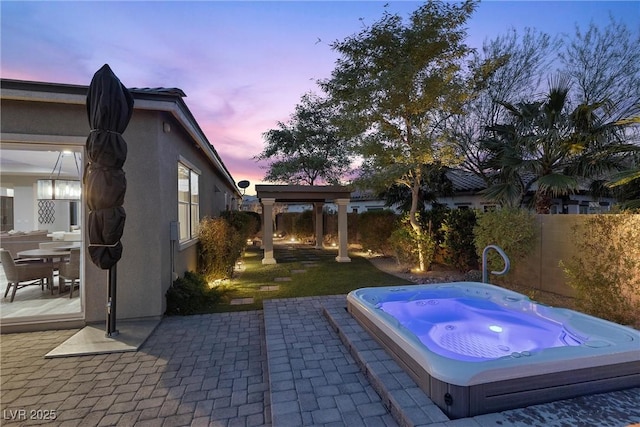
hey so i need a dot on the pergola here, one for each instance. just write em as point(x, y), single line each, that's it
point(316, 194)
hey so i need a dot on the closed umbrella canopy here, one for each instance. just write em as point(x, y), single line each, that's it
point(109, 107)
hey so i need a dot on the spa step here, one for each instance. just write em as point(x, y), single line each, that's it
point(408, 404)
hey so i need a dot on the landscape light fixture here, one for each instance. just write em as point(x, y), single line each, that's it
point(56, 188)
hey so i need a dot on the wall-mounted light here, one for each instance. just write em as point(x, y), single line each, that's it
point(59, 189)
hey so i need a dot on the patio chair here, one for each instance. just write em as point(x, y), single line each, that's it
point(70, 271)
point(18, 260)
point(28, 272)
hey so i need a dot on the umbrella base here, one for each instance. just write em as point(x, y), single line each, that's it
point(91, 339)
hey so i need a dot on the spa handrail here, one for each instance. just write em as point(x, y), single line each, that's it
point(485, 272)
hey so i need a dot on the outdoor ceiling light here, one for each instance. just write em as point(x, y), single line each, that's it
point(59, 189)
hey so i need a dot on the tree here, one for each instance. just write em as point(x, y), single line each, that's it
point(604, 66)
point(519, 64)
point(308, 148)
point(395, 83)
point(627, 182)
point(435, 183)
point(601, 69)
point(549, 147)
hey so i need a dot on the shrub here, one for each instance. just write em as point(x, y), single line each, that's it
point(256, 221)
point(605, 272)
point(459, 239)
point(191, 294)
point(220, 246)
point(514, 230)
point(406, 243)
point(352, 227)
point(432, 220)
point(303, 225)
point(284, 222)
point(375, 228)
point(245, 223)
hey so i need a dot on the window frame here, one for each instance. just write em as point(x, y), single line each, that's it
point(189, 219)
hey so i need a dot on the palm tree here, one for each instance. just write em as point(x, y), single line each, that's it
point(628, 181)
point(550, 149)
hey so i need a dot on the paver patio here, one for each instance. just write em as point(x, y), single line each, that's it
point(284, 366)
point(214, 370)
point(195, 370)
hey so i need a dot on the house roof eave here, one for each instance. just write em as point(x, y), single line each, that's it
point(157, 99)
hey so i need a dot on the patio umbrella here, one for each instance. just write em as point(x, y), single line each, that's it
point(109, 107)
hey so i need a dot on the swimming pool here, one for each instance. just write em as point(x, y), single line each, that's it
point(476, 348)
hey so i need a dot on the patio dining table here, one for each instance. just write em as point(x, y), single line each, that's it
point(48, 255)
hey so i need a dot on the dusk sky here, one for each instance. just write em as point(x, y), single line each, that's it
point(243, 64)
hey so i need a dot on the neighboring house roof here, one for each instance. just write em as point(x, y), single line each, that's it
point(174, 91)
point(465, 181)
point(155, 99)
point(364, 195)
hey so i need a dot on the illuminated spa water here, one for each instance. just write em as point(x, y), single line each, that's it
point(476, 330)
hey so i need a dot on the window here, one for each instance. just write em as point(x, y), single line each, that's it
point(6, 213)
point(188, 202)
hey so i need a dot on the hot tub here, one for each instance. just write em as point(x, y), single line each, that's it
point(476, 348)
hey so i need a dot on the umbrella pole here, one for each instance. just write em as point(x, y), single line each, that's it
point(111, 303)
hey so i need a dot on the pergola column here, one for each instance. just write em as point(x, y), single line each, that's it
point(267, 230)
point(343, 254)
point(319, 224)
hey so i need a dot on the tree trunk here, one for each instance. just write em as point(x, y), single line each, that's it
point(413, 219)
point(543, 202)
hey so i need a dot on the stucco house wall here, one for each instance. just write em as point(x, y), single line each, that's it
point(161, 132)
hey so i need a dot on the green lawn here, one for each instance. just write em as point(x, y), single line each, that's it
point(312, 272)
